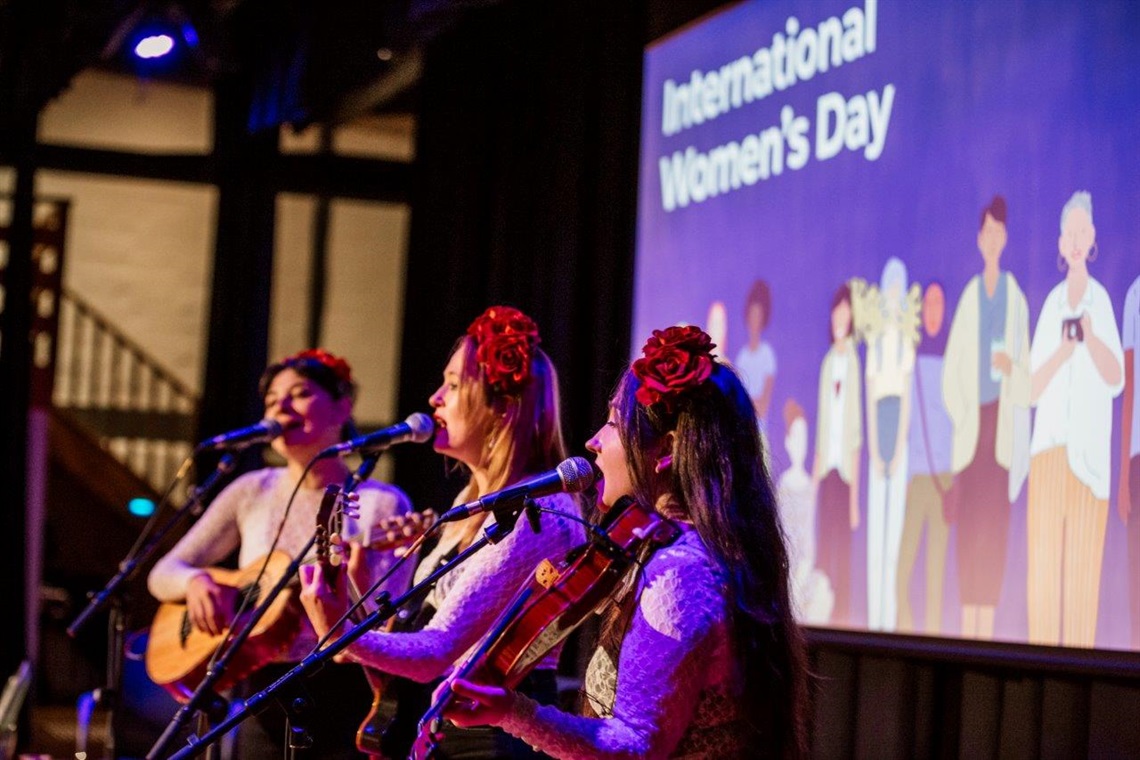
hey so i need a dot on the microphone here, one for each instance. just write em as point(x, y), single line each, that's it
point(263, 432)
point(418, 428)
point(573, 475)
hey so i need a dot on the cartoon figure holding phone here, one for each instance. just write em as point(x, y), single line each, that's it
point(1077, 364)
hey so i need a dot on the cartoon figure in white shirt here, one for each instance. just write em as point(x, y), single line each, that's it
point(716, 325)
point(795, 492)
point(890, 368)
point(1076, 361)
point(838, 444)
point(756, 361)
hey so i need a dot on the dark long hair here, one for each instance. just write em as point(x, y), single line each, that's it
point(719, 480)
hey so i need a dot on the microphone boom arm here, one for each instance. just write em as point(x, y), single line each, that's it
point(384, 610)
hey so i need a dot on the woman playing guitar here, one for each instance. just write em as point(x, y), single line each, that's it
point(496, 413)
point(702, 658)
point(311, 395)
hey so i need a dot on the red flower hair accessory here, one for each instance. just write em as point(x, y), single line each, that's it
point(674, 361)
point(505, 339)
point(338, 365)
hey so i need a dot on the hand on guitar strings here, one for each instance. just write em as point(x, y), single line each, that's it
point(478, 704)
point(359, 573)
point(210, 604)
point(324, 604)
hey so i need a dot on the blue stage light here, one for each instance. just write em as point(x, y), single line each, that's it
point(154, 46)
point(141, 507)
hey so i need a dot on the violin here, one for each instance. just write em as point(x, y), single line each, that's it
point(556, 601)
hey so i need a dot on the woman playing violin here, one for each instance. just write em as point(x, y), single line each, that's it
point(497, 414)
point(702, 658)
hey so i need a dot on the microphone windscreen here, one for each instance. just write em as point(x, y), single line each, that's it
point(576, 474)
point(422, 427)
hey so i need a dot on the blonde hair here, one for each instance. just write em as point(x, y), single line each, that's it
point(522, 430)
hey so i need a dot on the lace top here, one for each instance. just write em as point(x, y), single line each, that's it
point(468, 600)
point(246, 515)
point(671, 691)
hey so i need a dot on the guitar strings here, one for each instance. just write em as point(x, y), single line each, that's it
point(228, 636)
point(359, 603)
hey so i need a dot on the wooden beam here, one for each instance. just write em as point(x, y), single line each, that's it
point(333, 175)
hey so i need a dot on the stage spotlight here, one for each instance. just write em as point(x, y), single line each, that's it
point(158, 36)
point(154, 46)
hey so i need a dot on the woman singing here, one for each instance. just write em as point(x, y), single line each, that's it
point(703, 658)
point(311, 394)
point(497, 413)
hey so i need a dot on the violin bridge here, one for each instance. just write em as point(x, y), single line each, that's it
point(546, 573)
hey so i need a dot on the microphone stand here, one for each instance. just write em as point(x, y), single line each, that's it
point(206, 699)
point(132, 561)
point(505, 519)
point(111, 595)
point(302, 705)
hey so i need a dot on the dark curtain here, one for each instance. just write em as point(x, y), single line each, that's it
point(525, 194)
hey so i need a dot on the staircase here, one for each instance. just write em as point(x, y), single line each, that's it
point(109, 387)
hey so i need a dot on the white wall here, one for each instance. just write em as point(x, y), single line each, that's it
point(104, 110)
point(140, 251)
point(365, 290)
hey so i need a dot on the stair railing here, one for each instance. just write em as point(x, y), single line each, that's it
point(137, 408)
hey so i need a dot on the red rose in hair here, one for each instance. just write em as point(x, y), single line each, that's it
point(338, 365)
point(674, 361)
point(505, 339)
point(503, 321)
point(505, 361)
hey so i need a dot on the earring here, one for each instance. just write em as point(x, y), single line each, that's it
point(1094, 254)
point(1062, 265)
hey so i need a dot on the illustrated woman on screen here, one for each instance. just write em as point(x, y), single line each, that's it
point(890, 366)
point(985, 384)
point(811, 590)
point(929, 481)
point(756, 361)
point(838, 442)
point(1077, 370)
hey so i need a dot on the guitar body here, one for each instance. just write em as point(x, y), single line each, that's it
point(177, 653)
point(389, 534)
point(371, 732)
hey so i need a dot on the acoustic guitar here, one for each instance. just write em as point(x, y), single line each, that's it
point(178, 653)
point(370, 734)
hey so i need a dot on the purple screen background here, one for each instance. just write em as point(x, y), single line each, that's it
point(1030, 100)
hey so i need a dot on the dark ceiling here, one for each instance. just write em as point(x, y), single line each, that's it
point(306, 60)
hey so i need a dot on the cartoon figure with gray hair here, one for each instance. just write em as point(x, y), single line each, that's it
point(1077, 366)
